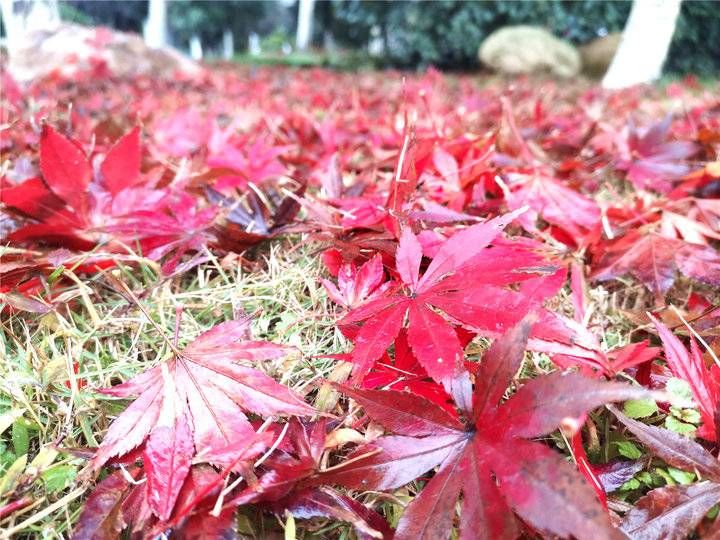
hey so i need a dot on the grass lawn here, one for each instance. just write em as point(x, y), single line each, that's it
point(246, 191)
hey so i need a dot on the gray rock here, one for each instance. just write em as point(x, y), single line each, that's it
point(516, 50)
point(70, 48)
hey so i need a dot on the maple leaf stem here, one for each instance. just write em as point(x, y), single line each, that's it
point(217, 508)
point(160, 331)
point(219, 502)
point(129, 478)
point(697, 336)
point(353, 460)
point(401, 159)
point(509, 115)
point(273, 447)
point(178, 317)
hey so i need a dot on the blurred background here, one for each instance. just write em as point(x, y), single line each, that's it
point(399, 34)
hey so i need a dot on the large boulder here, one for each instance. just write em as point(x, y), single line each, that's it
point(598, 54)
point(70, 48)
point(516, 50)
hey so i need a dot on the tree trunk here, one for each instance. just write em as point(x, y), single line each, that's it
point(23, 16)
point(155, 30)
point(645, 43)
point(196, 48)
point(228, 44)
point(304, 27)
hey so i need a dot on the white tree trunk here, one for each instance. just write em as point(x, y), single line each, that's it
point(304, 27)
point(23, 16)
point(645, 43)
point(196, 48)
point(254, 44)
point(228, 45)
point(155, 30)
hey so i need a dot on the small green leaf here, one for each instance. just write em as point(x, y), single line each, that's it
point(673, 424)
point(645, 477)
point(690, 416)
point(20, 437)
point(630, 485)
point(56, 274)
point(628, 450)
point(679, 389)
point(640, 408)
point(9, 480)
point(681, 477)
point(58, 478)
point(669, 480)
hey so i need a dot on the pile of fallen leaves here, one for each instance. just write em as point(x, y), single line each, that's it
point(462, 224)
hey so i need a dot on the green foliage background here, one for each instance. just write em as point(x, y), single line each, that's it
point(443, 33)
point(696, 43)
point(447, 33)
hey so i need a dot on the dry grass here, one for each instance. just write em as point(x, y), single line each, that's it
point(45, 405)
point(46, 408)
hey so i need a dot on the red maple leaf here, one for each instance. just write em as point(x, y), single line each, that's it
point(248, 162)
point(190, 408)
point(673, 511)
point(690, 366)
point(357, 285)
point(466, 279)
point(75, 208)
point(650, 161)
point(553, 201)
point(70, 201)
point(404, 372)
point(654, 260)
point(122, 501)
point(281, 485)
point(486, 455)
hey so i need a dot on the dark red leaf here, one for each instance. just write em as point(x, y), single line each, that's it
point(543, 403)
point(549, 493)
point(671, 513)
point(539, 485)
point(102, 517)
point(167, 458)
point(206, 384)
point(404, 413)
point(615, 473)
point(498, 367)
point(675, 449)
point(690, 367)
point(325, 502)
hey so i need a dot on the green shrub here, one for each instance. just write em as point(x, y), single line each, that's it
point(696, 44)
point(448, 33)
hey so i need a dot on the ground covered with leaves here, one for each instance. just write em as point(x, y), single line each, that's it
point(303, 304)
